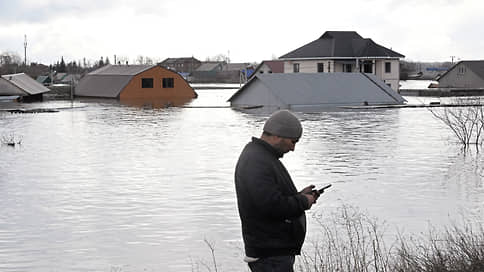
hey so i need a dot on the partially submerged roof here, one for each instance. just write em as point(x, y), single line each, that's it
point(108, 81)
point(320, 89)
point(121, 70)
point(476, 66)
point(20, 84)
point(341, 44)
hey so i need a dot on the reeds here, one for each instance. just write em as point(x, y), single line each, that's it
point(352, 241)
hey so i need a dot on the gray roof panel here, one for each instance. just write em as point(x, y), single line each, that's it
point(326, 89)
point(26, 83)
point(123, 70)
point(96, 85)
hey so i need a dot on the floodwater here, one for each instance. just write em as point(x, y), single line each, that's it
point(105, 186)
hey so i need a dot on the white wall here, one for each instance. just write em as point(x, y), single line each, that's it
point(311, 66)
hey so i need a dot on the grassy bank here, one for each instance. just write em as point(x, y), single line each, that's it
point(352, 241)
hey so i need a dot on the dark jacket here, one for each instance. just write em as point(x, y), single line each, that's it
point(270, 207)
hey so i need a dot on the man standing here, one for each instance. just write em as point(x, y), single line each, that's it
point(270, 207)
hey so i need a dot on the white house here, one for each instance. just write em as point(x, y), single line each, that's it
point(345, 51)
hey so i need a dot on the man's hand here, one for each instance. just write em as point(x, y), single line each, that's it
point(308, 189)
point(311, 194)
point(311, 199)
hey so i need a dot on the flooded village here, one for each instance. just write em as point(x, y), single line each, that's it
point(129, 166)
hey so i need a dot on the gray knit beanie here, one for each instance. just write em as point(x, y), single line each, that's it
point(285, 124)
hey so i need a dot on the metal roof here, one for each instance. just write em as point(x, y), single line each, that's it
point(109, 80)
point(102, 85)
point(325, 89)
point(22, 84)
point(341, 44)
point(121, 70)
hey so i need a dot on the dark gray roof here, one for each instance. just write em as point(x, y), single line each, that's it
point(21, 84)
point(179, 60)
point(341, 44)
point(325, 89)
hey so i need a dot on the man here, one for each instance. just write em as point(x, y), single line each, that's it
point(270, 207)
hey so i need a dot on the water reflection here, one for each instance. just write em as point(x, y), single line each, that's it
point(106, 185)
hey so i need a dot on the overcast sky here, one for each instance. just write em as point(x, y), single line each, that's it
point(246, 31)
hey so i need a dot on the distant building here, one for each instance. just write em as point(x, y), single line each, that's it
point(58, 77)
point(211, 66)
point(311, 91)
point(44, 80)
point(221, 72)
point(181, 65)
point(465, 74)
point(71, 79)
point(345, 51)
point(142, 82)
point(269, 67)
point(22, 86)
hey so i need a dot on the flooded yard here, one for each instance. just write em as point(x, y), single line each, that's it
point(105, 186)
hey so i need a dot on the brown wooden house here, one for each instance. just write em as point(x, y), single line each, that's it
point(135, 82)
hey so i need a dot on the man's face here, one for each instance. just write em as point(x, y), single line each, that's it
point(285, 144)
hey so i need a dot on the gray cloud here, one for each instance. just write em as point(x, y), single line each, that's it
point(14, 12)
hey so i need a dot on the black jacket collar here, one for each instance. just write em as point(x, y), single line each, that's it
point(266, 145)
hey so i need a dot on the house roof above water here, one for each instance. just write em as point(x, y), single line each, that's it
point(341, 44)
point(121, 70)
point(476, 66)
point(316, 89)
point(21, 84)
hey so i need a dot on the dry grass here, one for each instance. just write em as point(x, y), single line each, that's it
point(352, 241)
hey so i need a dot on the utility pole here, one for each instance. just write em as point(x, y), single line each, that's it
point(452, 58)
point(25, 50)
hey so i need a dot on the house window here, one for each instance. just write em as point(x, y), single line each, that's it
point(347, 68)
point(320, 67)
point(147, 83)
point(388, 67)
point(295, 67)
point(329, 67)
point(462, 70)
point(368, 67)
point(168, 82)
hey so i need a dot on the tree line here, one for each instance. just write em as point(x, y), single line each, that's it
point(12, 63)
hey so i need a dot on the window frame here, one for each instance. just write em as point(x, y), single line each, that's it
point(147, 83)
point(320, 67)
point(296, 67)
point(168, 83)
point(388, 67)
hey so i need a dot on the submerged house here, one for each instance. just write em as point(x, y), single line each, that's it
point(181, 65)
point(269, 67)
point(345, 51)
point(22, 87)
point(465, 74)
point(135, 82)
point(312, 91)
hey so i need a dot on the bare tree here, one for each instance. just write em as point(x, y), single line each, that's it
point(465, 120)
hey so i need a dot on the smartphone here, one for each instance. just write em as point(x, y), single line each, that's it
point(320, 191)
